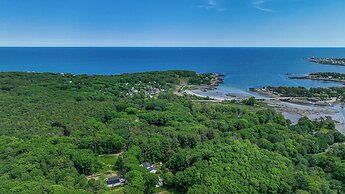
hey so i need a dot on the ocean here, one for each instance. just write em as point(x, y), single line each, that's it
point(244, 67)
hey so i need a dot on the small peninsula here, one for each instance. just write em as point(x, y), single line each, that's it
point(323, 76)
point(327, 61)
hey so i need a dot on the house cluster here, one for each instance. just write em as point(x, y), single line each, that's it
point(153, 91)
point(150, 167)
point(116, 181)
point(148, 90)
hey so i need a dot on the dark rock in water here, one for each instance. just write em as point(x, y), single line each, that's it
point(297, 77)
point(220, 80)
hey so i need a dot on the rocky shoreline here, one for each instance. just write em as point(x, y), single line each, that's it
point(264, 92)
point(217, 80)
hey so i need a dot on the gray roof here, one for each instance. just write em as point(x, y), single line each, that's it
point(113, 180)
point(146, 165)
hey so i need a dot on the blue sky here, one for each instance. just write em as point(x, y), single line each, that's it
point(172, 23)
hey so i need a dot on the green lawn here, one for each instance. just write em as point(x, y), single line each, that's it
point(108, 162)
point(324, 130)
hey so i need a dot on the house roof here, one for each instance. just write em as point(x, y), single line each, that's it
point(113, 180)
point(146, 164)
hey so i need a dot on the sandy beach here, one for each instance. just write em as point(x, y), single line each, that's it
point(221, 95)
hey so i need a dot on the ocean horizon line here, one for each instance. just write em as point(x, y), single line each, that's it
point(293, 47)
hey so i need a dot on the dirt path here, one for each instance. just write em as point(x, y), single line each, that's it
point(178, 90)
point(118, 154)
point(330, 148)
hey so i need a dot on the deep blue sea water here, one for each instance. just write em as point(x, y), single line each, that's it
point(244, 67)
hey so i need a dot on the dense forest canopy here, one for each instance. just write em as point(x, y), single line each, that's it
point(55, 128)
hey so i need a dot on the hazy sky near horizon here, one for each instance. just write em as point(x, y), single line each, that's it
point(172, 23)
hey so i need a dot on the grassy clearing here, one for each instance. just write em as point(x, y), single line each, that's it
point(324, 130)
point(190, 88)
point(108, 162)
